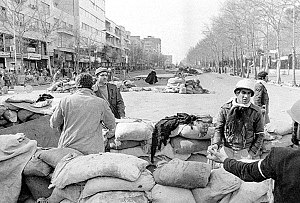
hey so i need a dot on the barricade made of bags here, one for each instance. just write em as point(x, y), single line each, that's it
point(185, 86)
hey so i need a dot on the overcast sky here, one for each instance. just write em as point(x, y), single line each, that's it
point(179, 23)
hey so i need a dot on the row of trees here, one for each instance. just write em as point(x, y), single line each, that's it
point(247, 33)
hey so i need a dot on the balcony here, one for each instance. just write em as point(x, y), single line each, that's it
point(66, 30)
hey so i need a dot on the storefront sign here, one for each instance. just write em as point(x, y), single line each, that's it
point(4, 54)
point(33, 56)
point(69, 57)
point(45, 57)
point(31, 49)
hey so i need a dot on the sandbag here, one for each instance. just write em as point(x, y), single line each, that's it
point(36, 167)
point(250, 192)
point(124, 144)
point(2, 109)
point(38, 186)
point(169, 152)
point(70, 193)
point(220, 184)
point(11, 116)
point(199, 131)
point(101, 184)
point(3, 122)
point(74, 169)
point(117, 197)
point(184, 174)
point(198, 157)
point(182, 90)
point(167, 194)
point(134, 131)
point(187, 146)
point(24, 114)
point(281, 141)
point(279, 127)
point(54, 155)
point(35, 116)
point(134, 151)
point(175, 80)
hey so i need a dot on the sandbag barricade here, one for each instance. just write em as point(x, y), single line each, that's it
point(103, 177)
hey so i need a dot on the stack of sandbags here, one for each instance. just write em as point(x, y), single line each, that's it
point(132, 136)
point(62, 86)
point(174, 84)
point(177, 178)
point(192, 86)
point(37, 172)
point(226, 188)
point(104, 177)
point(190, 141)
point(277, 134)
point(11, 115)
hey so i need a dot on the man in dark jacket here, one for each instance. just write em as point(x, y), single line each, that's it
point(151, 78)
point(281, 164)
point(109, 92)
point(239, 131)
point(261, 97)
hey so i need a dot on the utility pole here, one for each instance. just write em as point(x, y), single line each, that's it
point(294, 49)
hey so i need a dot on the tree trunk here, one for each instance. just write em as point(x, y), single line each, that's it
point(278, 79)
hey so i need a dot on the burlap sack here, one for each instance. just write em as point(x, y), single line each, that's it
point(54, 155)
point(187, 146)
point(118, 197)
point(37, 167)
point(184, 174)
point(101, 184)
point(74, 169)
point(220, 184)
point(138, 131)
point(167, 194)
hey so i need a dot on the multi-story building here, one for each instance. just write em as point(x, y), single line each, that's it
point(152, 44)
point(168, 60)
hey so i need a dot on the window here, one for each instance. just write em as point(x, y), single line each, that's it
point(3, 12)
point(45, 8)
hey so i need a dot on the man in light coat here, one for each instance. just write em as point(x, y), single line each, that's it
point(80, 117)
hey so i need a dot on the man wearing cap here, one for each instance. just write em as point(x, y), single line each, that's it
point(261, 97)
point(239, 131)
point(79, 117)
point(109, 92)
point(282, 164)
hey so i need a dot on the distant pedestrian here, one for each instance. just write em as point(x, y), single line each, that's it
point(151, 78)
point(261, 97)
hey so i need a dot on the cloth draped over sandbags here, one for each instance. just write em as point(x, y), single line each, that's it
point(15, 151)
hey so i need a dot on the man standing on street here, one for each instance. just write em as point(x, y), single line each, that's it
point(281, 164)
point(239, 132)
point(109, 92)
point(80, 116)
point(261, 97)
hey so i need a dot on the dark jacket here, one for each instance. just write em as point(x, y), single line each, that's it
point(115, 100)
point(254, 129)
point(261, 96)
point(281, 164)
point(151, 78)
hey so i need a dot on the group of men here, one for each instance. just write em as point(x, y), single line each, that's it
point(81, 116)
point(239, 132)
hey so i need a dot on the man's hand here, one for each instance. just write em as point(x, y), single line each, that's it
point(214, 147)
point(215, 155)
